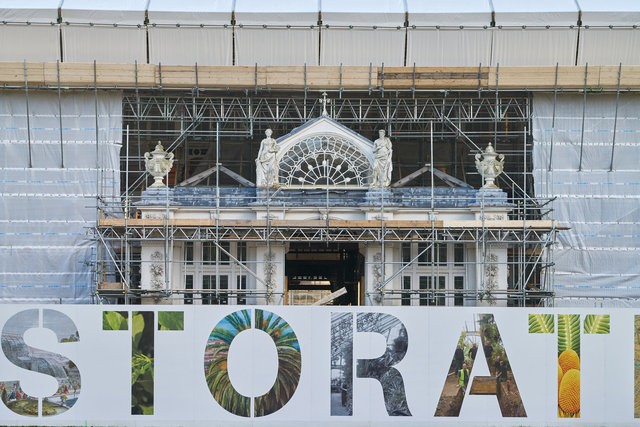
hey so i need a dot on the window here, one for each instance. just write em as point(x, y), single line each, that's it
point(445, 261)
point(406, 253)
point(241, 283)
point(241, 252)
point(458, 285)
point(406, 286)
point(209, 253)
point(442, 254)
point(209, 284)
point(188, 285)
point(188, 253)
point(440, 296)
point(424, 253)
point(424, 285)
point(458, 254)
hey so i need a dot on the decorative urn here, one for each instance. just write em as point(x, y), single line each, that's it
point(489, 164)
point(158, 164)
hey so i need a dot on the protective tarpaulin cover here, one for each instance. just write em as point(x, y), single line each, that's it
point(599, 255)
point(46, 211)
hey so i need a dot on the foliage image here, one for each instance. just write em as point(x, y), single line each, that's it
point(216, 366)
point(541, 324)
point(569, 365)
point(142, 350)
point(289, 363)
point(215, 363)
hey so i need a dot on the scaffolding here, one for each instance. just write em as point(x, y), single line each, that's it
point(214, 129)
point(454, 125)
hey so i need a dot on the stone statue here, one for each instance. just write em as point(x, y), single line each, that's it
point(158, 164)
point(382, 166)
point(490, 166)
point(266, 163)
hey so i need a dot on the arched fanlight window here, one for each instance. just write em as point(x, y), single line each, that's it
point(324, 160)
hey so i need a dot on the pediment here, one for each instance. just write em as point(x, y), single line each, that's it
point(324, 153)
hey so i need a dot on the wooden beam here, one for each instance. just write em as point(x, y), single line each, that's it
point(451, 181)
point(198, 178)
point(281, 223)
point(328, 298)
point(242, 180)
point(80, 75)
point(411, 176)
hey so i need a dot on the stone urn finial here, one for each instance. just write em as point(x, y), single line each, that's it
point(489, 164)
point(158, 164)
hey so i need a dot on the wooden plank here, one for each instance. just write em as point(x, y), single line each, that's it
point(569, 77)
point(484, 385)
point(110, 286)
point(328, 298)
point(80, 75)
point(185, 222)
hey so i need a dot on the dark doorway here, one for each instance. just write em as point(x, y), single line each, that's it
point(315, 267)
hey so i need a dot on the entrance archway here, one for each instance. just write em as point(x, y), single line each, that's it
point(313, 270)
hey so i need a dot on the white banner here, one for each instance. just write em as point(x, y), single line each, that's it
point(274, 365)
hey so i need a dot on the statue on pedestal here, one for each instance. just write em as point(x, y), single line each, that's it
point(490, 166)
point(382, 166)
point(158, 164)
point(266, 163)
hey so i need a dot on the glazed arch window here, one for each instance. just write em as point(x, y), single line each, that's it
point(324, 160)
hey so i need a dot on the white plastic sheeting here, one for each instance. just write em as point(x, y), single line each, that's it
point(37, 41)
point(121, 12)
point(453, 13)
point(610, 12)
point(449, 47)
point(363, 44)
point(46, 210)
point(104, 44)
point(190, 12)
point(598, 256)
point(276, 46)
point(359, 46)
point(260, 12)
point(102, 41)
point(530, 47)
point(190, 45)
point(604, 46)
point(382, 13)
point(536, 13)
point(189, 32)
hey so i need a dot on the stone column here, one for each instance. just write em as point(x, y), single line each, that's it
point(494, 271)
point(270, 269)
point(374, 274)
point(153, 270)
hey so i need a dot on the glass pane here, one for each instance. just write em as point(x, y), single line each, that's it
point(406, 253)
point(440, 297)
point(188, 252)
point(208, 253)
point(424, 285)
point(406, 285)
point(241, 283)
point(442, 254)
point(458, 254)
point(458, 284)
point(224, 258)
point(188, 284)
point(208, 283)
point(223, 297)
point(425, 257)
point(241, 251)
